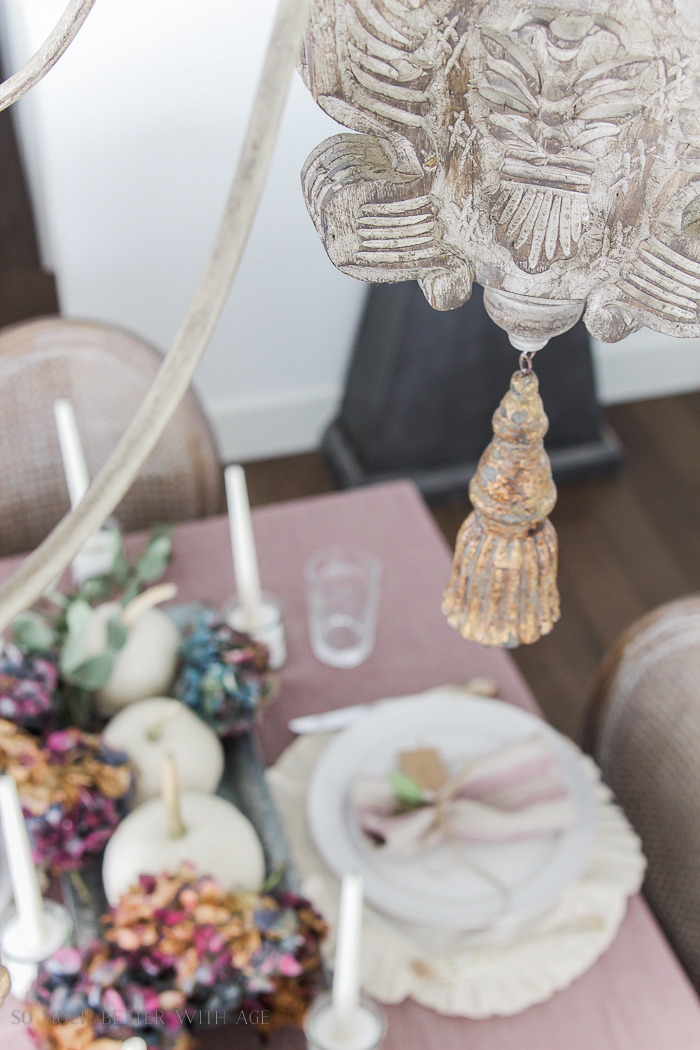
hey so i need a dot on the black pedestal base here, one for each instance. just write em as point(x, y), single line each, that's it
point(423, 385)
point(575, 463)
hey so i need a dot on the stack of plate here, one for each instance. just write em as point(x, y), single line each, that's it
point(436, 889)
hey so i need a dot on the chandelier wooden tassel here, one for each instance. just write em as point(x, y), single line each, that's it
point(503, 589)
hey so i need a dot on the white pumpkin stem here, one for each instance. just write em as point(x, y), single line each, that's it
point(162, 592)
point(155, 732)
point(171, 797)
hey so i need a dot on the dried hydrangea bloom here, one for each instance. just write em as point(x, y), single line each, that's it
point(27, 688)
point(175, 945)
point(73, 790)
point(225, 676)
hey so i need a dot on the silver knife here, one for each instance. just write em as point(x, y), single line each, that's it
point(344, 717)
point(330, 721)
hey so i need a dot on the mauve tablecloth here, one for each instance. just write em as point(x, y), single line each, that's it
point(637, 996)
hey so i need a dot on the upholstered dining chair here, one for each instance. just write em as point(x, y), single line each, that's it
point(644, 731)
point(106, 373)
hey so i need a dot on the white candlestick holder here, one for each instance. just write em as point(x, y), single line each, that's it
point(366, 1032)
point(268, 629)
point(22, 959)
point(96, 556)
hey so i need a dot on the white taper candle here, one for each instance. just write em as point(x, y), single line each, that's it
point(74, 465)
point(23, 875)
point(245, 559)
point(346, 973)
point(96, 556)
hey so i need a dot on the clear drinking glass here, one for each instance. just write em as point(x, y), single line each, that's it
point(343, 598)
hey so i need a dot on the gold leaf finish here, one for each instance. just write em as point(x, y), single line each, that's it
point(503, 589)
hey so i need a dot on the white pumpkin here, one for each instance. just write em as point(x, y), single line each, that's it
point(148, 730)
point(146, 664)
point(215, 837)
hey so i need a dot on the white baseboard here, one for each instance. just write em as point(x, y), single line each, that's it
point(286, 422)
point(276, 424)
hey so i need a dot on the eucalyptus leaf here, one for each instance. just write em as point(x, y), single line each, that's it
point(154, 560)
point(117, 634)
point(93, 673)
point(32, 632)
point(406, 789)
point(78, 616)
point(130, 591)
point(120, 566)
point(97, 588)
point(274, 878)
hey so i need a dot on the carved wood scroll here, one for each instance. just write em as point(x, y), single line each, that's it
point(550, 153)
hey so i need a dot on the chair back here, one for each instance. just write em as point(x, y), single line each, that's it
point(644, 731)
point(106, 373)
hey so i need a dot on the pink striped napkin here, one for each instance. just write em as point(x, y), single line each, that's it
point(515, 792)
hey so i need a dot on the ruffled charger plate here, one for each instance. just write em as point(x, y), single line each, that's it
point(492, 972)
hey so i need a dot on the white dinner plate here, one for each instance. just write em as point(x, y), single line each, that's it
point(439, 889)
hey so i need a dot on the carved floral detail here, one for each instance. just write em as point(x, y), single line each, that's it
point(552, 156)
point(557, 91)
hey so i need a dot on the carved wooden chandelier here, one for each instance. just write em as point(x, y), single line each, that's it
point(550, 153)
point(553, 155)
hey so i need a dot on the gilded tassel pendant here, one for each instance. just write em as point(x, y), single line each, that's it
point(503, 589)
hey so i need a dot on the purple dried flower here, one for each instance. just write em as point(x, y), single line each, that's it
point(65, 961)
point(113, 1003)
point(67, 819)
point(289, 966)
point(27, 688)
point(62, 740)
point(240, 960)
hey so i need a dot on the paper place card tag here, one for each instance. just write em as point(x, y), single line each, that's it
point(425, 767)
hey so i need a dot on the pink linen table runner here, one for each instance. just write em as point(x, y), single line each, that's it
point(636, 997)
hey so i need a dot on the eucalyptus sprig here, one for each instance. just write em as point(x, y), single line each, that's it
point(59, 623)
point(128, 580)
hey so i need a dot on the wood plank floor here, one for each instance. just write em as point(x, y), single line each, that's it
point(626, 544)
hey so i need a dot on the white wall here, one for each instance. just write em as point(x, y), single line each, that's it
point(130, 144)
point(646, 364)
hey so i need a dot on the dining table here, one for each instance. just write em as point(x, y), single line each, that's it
point(637, 996)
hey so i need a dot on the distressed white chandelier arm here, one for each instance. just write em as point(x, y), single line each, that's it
point(178, 367)
point(63, 34)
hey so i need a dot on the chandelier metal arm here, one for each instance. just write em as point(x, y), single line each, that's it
point(175, 374)
point(61, 36)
